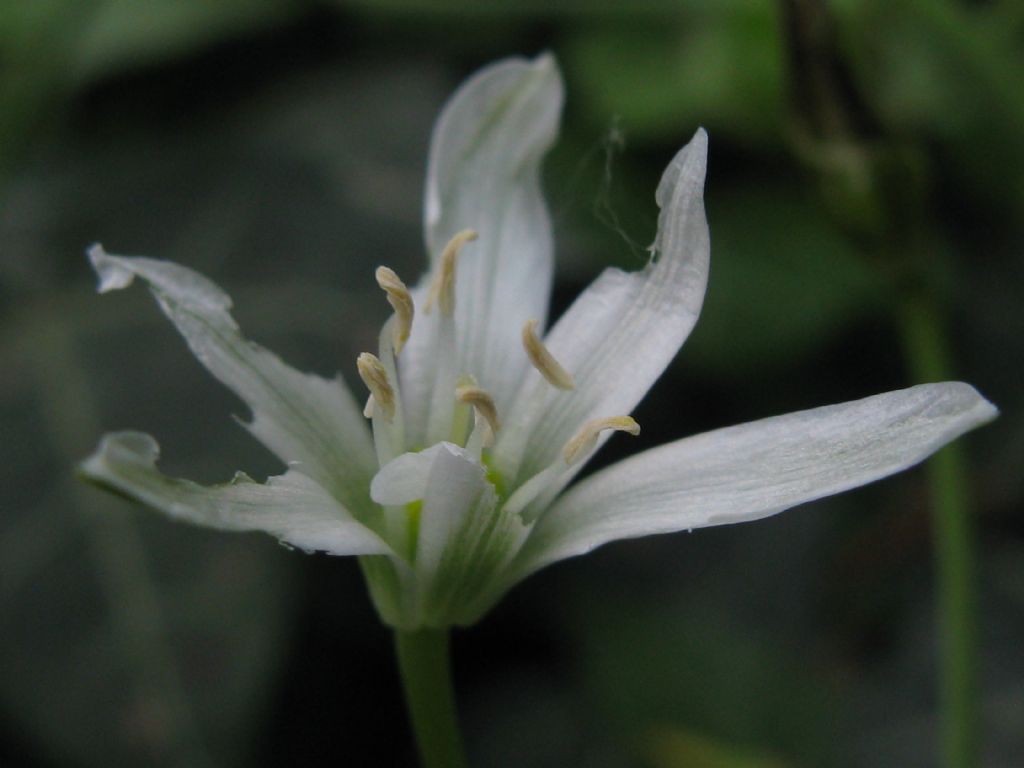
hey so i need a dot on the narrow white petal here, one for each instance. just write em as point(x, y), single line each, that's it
point(484, 174)
point(464, 541)
point(403, 480)
point(454, 490)
point(417, 369)
point(311, 423)
point(622, 332)
point(291, 507)
point(754, 470)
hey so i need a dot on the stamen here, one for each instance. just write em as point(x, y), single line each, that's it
point(585, 440)
point(375, 377)
point(483, 406)
point(400, 301)
point(442, 290)
point(543, 360)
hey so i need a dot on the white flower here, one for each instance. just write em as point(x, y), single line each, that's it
point(478, 425)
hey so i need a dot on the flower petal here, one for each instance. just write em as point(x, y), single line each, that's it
point(484, 174)
point(292, 506)
point(754, 470)
point(464, 543)
point(622, 332)
point(311, 423)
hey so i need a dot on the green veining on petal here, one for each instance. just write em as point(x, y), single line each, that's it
point(386, 588)
point(494, 477)
point(414, 510)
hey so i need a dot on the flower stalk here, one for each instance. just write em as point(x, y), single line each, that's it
point(953, 546)
point(423, 660)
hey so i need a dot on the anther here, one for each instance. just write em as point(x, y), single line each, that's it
point(442, 290)
point(483, 405)
point(400, 301)
point(543, 360)
point(585, 440)
point(372, 372)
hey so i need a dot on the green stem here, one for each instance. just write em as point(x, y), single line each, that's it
point(953, 534)
point(426, 677)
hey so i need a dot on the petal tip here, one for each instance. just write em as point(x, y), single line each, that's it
point(118, 450)
point(129, 446)
point(685, 173)
point(700, 140)
point(545, 61)
point(546, 67)
point(112, 275)
point(966, 398)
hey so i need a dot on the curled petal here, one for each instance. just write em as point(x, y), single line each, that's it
point(311, 423)
point(621, 333)
point(291, 507)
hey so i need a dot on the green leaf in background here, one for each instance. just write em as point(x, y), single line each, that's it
point(599, 9)
point(949, 73)
point(678, 748)
point(782, 281)
point(97, 38)
point(721, 69)
point(726, 694)
point(134, 33)
point(49, 48)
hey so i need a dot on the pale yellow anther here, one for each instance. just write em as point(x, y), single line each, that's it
point(375, 377)
point(400, 301)
point(543, 360)
point(442, 289)
point(584, 441)
point(483, 405)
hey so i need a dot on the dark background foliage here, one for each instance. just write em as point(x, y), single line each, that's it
point(279, 147)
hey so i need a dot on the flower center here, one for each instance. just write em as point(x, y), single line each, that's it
point(460, 410)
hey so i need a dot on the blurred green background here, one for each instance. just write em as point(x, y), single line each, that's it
point(279, 147)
